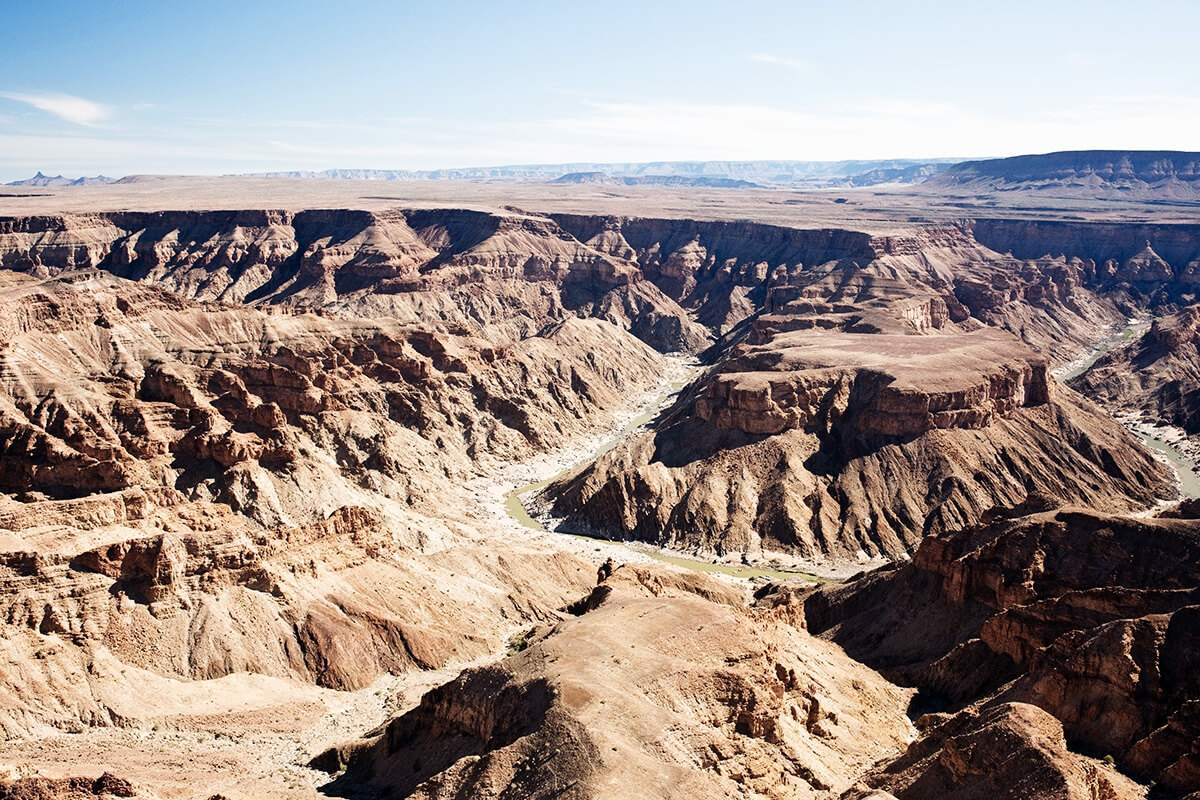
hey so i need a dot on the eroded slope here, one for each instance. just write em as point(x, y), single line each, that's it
point(664, 686)
point(1092, 618)
point(198, 490)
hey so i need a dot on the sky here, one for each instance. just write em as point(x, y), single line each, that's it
point(225, 87)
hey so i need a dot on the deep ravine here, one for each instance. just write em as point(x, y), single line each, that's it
point(518, 501)
point(1159, 439)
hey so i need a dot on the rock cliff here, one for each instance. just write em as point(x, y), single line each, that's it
point(1088, 617)
point(837, 445)
point(515, 272)
point(1157, 374)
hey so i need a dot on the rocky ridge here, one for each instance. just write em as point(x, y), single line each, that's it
point(1088, 617)
point(663, 685)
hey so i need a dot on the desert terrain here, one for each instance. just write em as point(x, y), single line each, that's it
point(594, 488)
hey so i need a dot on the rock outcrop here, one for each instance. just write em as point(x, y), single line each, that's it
point(106, 785)
point(836, 444)
point(1157, 374)
point(667, 685)
point(1089, 617)
point(1010, 751)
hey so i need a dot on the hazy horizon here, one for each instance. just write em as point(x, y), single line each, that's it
point(141, 88)
point(529, 165)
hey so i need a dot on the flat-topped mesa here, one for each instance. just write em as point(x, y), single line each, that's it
point(790, 308)
point(1144, 256)
point(1080, 173)
point(839, 445)
point(878, 386)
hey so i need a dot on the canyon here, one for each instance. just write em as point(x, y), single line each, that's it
point(254, 463)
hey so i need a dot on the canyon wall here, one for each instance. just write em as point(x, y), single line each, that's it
point(200, 490)
point(1089, 617)
point(1147, 256)
point(1156, 374)
point(505, 278)
point(840, 445)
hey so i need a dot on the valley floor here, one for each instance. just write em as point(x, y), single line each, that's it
point(1169, 443)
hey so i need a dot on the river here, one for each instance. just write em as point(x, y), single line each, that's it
point(1162, 440)
point(516, 500)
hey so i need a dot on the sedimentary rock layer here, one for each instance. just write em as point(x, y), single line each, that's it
point(1090, 617)
point(832, 444)
point(1157, 374)
point(201, 490)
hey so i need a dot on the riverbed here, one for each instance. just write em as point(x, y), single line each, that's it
point(1166, 442)
point(517, 499)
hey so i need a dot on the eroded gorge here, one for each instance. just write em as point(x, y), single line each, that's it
point(242, 532)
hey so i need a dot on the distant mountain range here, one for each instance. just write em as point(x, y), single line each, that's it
point(1137, 174)
point(58, 180)
point(729, 174)
point(656, 180)
point(1134, 173)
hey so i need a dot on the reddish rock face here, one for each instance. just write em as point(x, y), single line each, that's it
point(1095, 617)
point(866, 386)
point(373, 264)
point(1139, 254)
point(1009, 751)
point(107, 785)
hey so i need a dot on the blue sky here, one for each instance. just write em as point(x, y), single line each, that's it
point(215, 87)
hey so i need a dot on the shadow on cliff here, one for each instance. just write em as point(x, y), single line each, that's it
point(473, 715)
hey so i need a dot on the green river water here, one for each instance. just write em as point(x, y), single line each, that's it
point(1189, 481)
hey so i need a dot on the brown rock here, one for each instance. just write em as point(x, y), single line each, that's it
point(1093, 616)
point(1008, 751)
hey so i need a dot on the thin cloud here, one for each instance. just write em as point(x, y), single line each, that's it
point(794, 64)
point(67, 107)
